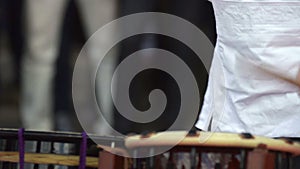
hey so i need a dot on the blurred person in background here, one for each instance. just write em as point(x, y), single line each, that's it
point(197, 12)
point(10, 58)
point(43, 19)
point(10, 45)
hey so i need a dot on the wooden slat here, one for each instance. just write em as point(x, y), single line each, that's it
point(55, 159)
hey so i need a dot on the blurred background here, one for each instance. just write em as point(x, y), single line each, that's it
point(41, 39)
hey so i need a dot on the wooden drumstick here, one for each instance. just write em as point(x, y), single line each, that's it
point(269, 69)
point(298, 78)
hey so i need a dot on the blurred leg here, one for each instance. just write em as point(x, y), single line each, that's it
point(43, 20)
point(130, 45)
point(15, 30)
point(65, 118)
point(95, 14)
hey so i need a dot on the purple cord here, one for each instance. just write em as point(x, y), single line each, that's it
point(21, 143)
point(82, 159)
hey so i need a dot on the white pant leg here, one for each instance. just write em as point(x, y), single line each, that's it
point(95, 14)
point(43, 22)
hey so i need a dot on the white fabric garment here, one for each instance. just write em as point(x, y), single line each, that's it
point(257, 50)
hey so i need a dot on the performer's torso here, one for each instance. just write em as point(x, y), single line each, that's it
point(241, 96)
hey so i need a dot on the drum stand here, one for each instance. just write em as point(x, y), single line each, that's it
point(246, 151)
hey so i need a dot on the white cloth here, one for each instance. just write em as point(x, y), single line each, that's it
point(258, 43)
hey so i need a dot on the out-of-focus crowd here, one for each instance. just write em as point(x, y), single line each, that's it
point(41, 39)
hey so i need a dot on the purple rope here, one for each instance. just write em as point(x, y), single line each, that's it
point(21, 144)
point(82, 159)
